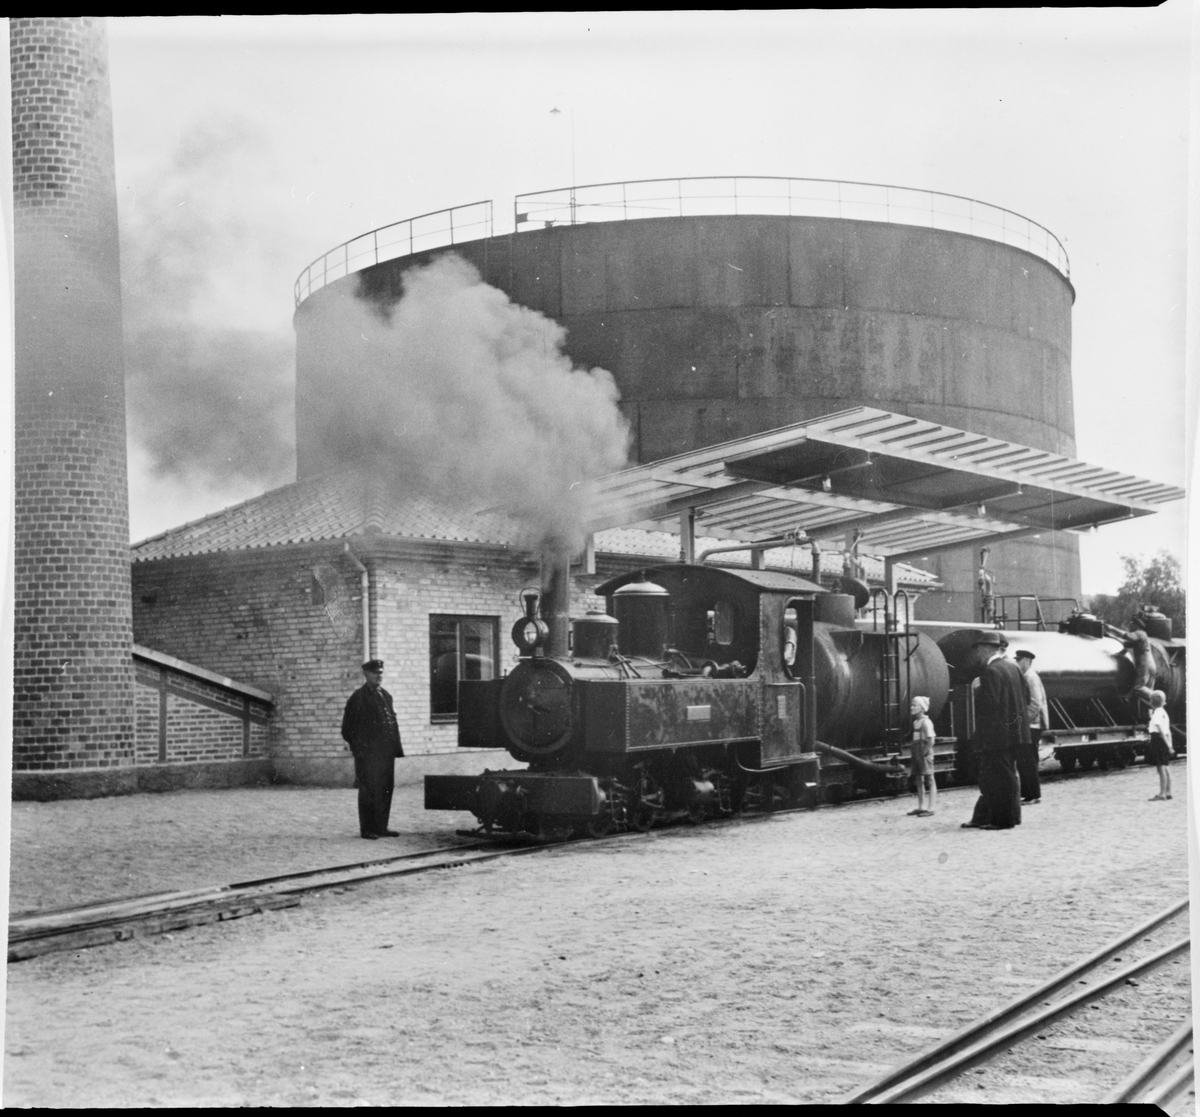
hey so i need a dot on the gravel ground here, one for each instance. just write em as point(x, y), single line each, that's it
point(784, 959)
point(74, 852)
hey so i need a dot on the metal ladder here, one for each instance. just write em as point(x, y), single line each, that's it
point(895, 676)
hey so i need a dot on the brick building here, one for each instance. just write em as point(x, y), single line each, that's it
point(73, 677)
point(293, 590)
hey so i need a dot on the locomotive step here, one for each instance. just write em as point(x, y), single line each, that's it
point(541, 793)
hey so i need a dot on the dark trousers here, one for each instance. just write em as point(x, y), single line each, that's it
point(999, 802)
point(375, 776)
point(1027, 769)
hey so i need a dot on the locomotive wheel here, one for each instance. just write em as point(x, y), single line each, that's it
point(766, 794)
point(555, 830)
point(724, 789)
point(752, 799)
point(600, 826)
point(648, 800)
point(1068, 761)
point(778, 796)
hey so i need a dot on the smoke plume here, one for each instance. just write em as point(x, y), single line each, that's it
point(468, 397)
point(208, 387)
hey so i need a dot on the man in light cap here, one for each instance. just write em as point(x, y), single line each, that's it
point(1038, 713)
point(1001, 728)
point(369, 728)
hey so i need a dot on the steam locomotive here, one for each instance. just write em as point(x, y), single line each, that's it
point(705, 690)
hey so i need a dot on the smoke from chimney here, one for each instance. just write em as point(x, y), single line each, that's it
point(209, 387)
point(462, 395)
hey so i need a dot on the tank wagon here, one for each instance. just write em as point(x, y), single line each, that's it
point(1086, 666)
point(703, 690)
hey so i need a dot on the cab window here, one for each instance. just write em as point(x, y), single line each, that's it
point(790, 640)
point(721, 623)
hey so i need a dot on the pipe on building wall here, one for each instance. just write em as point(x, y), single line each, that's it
point(373, 603)
point(364, 578)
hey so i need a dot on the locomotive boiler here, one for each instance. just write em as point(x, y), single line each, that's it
point(699, 691)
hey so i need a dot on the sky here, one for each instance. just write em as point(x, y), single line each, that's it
point(248, 146)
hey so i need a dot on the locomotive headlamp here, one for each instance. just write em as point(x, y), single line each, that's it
point(528, 635)
point(530, 632)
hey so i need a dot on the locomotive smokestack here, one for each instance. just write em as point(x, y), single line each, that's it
point(556, 603)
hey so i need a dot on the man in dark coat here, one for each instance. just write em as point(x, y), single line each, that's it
point(1001, 729)
point(369, 728)
point(1038, 715)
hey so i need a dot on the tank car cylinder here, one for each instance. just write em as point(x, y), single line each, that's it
point(1070, 667)
point(850, 669)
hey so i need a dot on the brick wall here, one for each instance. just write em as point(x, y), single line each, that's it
point(182, 719)
point(73, 699)
point(288, 620)
point(261, 617)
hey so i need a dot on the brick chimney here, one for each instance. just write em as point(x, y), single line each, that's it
point(73, 700)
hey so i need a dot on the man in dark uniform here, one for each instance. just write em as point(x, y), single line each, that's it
point(369, 728)
point(1001, 729)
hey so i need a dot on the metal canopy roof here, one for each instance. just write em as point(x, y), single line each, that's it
point(909, 485)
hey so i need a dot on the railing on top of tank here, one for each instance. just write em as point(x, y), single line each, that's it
point(788, 197)
point(402, 238)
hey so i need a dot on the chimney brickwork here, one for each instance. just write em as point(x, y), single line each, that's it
point(73, 701)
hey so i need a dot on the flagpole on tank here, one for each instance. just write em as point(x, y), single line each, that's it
point(558, 112)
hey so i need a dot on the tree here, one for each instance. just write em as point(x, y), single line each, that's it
point(1158, 582)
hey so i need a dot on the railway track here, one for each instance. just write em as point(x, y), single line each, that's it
point(34, 934)
point(1166, 1074)
point(1162, 1077)
point(112, 921)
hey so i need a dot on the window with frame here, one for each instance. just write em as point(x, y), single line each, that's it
point(721, 619)
point(460, 648)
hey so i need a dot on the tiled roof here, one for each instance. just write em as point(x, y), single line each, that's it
point(335, 505)
point(346, 503)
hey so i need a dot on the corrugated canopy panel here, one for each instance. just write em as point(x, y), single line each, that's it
point(908, 485)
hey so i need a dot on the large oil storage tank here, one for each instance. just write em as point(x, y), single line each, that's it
point(718, 325)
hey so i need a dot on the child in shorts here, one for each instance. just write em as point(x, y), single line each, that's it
point(922, 757)
point(1161, 751)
